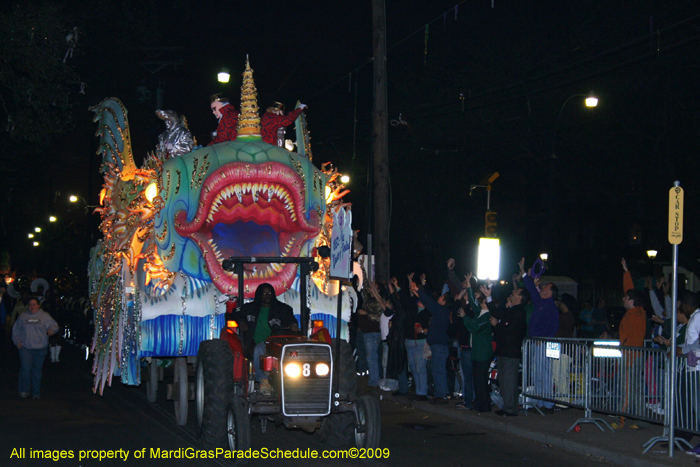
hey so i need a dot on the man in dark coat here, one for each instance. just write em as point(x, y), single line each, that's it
point(265, 316)
point(509, 331)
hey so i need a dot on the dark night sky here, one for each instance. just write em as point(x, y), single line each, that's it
point(516, 63)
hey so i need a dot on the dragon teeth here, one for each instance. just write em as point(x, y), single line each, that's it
point(254, 191)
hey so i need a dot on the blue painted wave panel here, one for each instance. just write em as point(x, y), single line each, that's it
point(160, 337)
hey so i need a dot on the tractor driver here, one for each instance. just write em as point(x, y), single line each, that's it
point(265, 316)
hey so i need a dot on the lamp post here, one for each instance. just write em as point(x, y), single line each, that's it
point(651, 254)
point(590, 101)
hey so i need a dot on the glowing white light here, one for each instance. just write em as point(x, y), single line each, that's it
point(73, 198)
point(30, 235)
point(591, 100)
point(52, 219)
point(292, 370)
point(37, 229)
point(652, 254)
point(224, 75)
point(606, 352)
point(489, 258)
point(36, 243)
point(345, 179)
point(151, 191)
point(544, 256)
point(322, 369)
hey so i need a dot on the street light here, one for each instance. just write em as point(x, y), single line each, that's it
point(52, 219)
point(544, 256)
point(345, 179)
point(37, 229)
point(36, 243)
point(591, 101)
point(31, 235)
point(224, 75)
point(652, 254)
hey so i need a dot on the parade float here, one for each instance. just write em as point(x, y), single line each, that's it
point(157, 279)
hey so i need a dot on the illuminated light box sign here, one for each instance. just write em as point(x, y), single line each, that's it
point(341, 245)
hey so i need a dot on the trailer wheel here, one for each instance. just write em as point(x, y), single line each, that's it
point(214, 386)
point(337, 429)
point(182, 391)
point(370, 416)
point(152, 383)
point(238, 427)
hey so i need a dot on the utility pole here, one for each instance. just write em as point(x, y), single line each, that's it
point(379, 171)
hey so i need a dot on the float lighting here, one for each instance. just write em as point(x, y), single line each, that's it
point(151, 191)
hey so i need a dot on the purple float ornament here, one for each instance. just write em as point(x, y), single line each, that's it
point(534, 272)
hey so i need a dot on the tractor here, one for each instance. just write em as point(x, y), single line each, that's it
point(313, 376)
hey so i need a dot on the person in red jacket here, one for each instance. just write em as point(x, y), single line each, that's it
point(632, 331)
point(274, 122)
point(227, 130)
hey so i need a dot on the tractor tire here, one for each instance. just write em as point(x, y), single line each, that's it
point(181, 404)
point(152, 383)
point(337, 429)
point(371, 417)
point(214, 388)
point(238, 427)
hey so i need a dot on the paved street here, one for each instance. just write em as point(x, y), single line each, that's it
point(69, 417)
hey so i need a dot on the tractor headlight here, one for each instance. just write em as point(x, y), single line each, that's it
point(292, 370)
point(322, 369)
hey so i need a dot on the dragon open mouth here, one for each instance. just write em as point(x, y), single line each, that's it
point(250, 210)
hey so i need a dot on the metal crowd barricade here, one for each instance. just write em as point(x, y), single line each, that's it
point(684, 402)
point(628, 381)
point(604, 377)
point(559, 371)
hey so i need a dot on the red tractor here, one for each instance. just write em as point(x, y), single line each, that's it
point(313, 377)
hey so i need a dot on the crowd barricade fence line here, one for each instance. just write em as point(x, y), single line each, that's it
point(600, 376)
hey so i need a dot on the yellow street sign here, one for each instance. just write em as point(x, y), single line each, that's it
point(675, 215)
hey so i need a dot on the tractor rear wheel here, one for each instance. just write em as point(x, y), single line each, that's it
point(371, 419)
point(214, 387)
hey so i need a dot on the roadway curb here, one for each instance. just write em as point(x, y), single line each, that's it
point(592, 452)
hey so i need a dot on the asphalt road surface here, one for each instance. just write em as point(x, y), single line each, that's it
point(69, 419)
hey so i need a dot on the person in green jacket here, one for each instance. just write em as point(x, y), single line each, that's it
point(479, 325)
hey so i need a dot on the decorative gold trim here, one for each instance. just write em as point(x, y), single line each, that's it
point(170, 254)
point(162, 236)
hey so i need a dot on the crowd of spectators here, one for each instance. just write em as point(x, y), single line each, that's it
point(445, 338)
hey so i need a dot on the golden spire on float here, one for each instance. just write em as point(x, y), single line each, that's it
point(249, 121)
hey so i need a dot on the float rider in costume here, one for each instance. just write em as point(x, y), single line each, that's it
point(275, 121)
point(227, 130)
point(265, 316)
